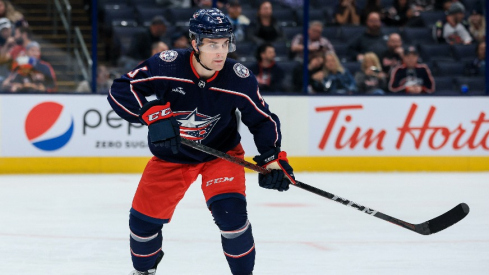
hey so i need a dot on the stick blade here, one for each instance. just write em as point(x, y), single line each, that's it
point(447, 219)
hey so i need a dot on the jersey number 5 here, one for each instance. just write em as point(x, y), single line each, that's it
point(132, 74)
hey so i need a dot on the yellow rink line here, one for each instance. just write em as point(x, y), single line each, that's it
point(300, 164)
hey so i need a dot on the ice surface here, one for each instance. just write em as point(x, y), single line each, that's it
point(78, 224)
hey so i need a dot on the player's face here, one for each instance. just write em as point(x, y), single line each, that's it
point(213, 52)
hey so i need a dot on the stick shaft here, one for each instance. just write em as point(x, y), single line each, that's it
point(447, 219)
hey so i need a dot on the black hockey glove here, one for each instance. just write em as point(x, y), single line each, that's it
point(281, 174)
point(162, 126)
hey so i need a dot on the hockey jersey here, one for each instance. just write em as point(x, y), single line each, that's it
point(402, 77)
point(204, 108)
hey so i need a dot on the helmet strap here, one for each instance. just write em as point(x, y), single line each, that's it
point(196, 54)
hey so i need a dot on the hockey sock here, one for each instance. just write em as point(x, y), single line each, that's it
point(146, 241)
point(236, 235)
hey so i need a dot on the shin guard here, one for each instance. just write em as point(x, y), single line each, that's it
point(236, 235)
point(146, 241)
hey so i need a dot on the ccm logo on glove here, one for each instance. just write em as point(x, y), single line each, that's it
point(156, 113)
point(163, 128)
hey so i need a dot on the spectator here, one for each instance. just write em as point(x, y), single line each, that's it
point(372, 40)
point(411, 77)
point(371, 6)
point(316, 43)
point(5, 30)
point(403, 13)
point(347, 13)
point(265, 28)
point(315, 67)
point(158, 47)
point(423, 5)
point(451, 30)
point(208, 4)
point(371, 79)
point(392, 57)
point(30, 73)
point(7, 10)
point(179, 40)
point(103, 82)
point(478, 66)
point(7, 46)
point(477, 25)
point(294, 4)
point(22, 37)
point(268, 74)
point(239, 21)
point(7, 42)
point(140, 48)
point(337, 79)
point(444, 5)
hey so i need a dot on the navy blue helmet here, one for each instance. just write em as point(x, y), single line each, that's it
point(211, 23)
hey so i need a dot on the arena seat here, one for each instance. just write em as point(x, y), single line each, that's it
point(142, 2)
point(122, 13)
point(448, 68)
point(476, 84)
point(179, 16)
point(286, 17)
point(464, 52)
point(436, 52)
point(146, 13)
point(431, 17)
point(349, 33)
point(417, 36)
point(352, 66)
point(444, 84)
point(122, 37)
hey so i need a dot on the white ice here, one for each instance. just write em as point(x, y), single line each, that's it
point(78, 224)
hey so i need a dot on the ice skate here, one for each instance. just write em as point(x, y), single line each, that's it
point(151, 271)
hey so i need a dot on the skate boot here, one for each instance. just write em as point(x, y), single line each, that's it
point(151, 271)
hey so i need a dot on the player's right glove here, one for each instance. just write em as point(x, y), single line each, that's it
point(162, 126)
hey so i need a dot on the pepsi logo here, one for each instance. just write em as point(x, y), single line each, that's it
point(48, 127)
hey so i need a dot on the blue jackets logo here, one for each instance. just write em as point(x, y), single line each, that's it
point(195, 126)
point(168, 56)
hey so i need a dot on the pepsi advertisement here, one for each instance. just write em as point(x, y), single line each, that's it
point(67, 125)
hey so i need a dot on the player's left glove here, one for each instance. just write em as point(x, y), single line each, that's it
point(162, 126)
point(281, 174)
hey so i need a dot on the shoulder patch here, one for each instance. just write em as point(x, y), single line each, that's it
point(168, 56)
point(241, 70)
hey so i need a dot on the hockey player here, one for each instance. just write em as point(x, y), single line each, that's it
point(198, 91)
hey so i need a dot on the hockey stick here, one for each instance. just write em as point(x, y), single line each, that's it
point(426, 228)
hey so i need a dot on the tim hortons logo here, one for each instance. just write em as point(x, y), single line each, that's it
point(434, 137)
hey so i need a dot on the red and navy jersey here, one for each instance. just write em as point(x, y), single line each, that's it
point(204, 108)
point(402, 77)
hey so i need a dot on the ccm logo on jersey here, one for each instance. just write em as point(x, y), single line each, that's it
point(219, 180)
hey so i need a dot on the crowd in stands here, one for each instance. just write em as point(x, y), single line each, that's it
point(354, 46)
point(21, 66)
point(375, 47)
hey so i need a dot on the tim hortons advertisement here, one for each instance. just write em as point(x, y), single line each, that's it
point(67, 125)
point(85, 125)
point(404, 126)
